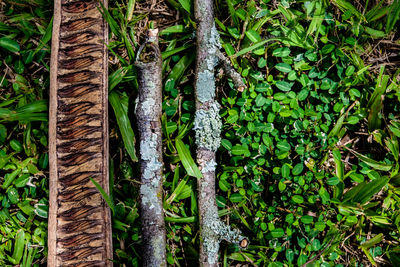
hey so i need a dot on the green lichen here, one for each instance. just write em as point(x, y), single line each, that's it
point(207, 125)
point(209, 166)
point(149, 197)
point(210, 238)
point(149, 153)
point(205, 82)
point(157, 244)
point(205, 86)
point(151, 181)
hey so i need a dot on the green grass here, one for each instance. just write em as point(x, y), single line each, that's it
point(308, 166)
point(24, 82)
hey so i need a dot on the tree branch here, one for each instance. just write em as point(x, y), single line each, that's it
point(207, 125)
point(231, 72)
point(148, 113)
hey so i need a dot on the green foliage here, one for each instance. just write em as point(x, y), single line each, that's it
point(187, 160)
point(105, 196)
point(295, 136)
point(120, 103)
point(24, 82)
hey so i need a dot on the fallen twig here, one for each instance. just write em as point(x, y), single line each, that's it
point(208, 125)
point(231, 72)
point(148, 113)
point(319, 254)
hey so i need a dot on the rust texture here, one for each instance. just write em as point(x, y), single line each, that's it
point(79, 218)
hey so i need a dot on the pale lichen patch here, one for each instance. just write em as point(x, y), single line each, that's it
point(214, 230)
point(213, 45)
point(207, 125)
point(148, 153)
point(211, 247)
point(157, 246)
point(148, 106)
point(225, 232)
point(149, 197)
point(209, 166)
point(205, 86)
point(213, 41)
point(210, 239)
point(205, 82)
point(148, 190)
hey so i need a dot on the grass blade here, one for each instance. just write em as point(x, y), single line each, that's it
point(117, 76)
point(178, 189)
point(19, 246)
point(373, 241)
point(187, 160)
point(254, 46)
point(186, 4)
point(347, 6)
point(193, 219)
point(103, 193)
point(180, 67)
point(174, 51)
point(339, 164)
point(29, 112)
point(9, 44)
point(393, 16)
point(337, 127)
point(232, 11)
point(130, 9)
point(372, 163)
point(373, 187)
point(46, 37)
point(119, 103)
point(364, 191)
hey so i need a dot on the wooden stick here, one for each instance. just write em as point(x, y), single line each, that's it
point(148, 113)
point(207, 125)
point(79, 219)
point(231, 72)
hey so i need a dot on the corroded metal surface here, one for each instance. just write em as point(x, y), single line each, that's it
point(79, 219)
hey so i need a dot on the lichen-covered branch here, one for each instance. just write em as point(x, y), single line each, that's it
point(207, 126)
point(148, 113)
point(231, 72)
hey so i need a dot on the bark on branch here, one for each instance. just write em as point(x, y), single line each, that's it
point(208, 130)
point(148, 113)
point(231, 72)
